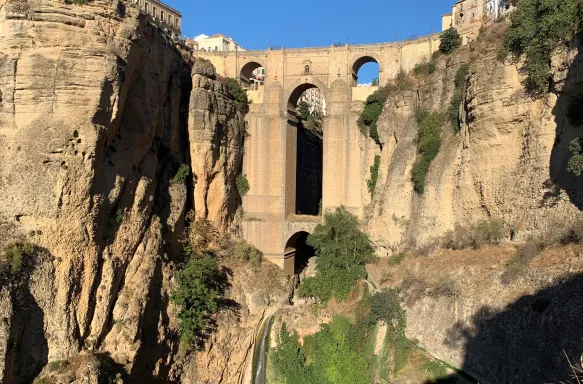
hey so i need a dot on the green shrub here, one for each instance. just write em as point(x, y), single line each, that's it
point(575, 110)
point(420, 114)
point(237, 93)
point(474, 236)
point(386, 306)
point(373, 107)
point(304, 110)
point(428, 143)
point(56, 365)
point(449, 41)
point(374, 175)
point(182, 174)
point(397, 259)
point(289, 361)
point(200, 286)
point(14, 256)
point(457, 98)
point(343, 251)
point(537, 29)
point(242, 184)
point(244, 251)
point(575, 164)
point(424, 69)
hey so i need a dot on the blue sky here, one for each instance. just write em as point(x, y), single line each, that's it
point(256, 24)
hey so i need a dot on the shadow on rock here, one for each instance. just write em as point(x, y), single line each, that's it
point(528, 342)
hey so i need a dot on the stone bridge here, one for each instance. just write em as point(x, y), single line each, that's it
point(294, 175)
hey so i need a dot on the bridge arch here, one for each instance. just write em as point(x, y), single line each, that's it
point(295, 91)
point(246, 72)
point(361, 60)
point(297, 252)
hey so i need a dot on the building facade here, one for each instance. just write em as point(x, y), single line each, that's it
point(217, 43)
point(168, 17)
point(467, 16)
point(315, 100)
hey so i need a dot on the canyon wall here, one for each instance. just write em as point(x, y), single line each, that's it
point(98, 110)
point(509, 160)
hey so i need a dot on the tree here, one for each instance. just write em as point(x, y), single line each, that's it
point(304, 110)
point(450, 40)
point(375, 81)
point(201, 285)
point(538, 28)
point(343, 251)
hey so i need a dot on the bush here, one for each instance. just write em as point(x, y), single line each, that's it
point(449, 41)
point(575, 164)
point(518, 265)
point(424, 69)
point(200, 286)
point(14, 256)
point(237, 93)
point(538, 28)
point(474, 236)
point(242, 184)
point(457, 98)
point(420, 114)
point(385, 306)
point(397, 259)
point(201, 236)
point(182, 174)
point(343, 251)
point(304, 110)
point(244, 251)
point(374, 175)
point(373, 107)
point(428, 143)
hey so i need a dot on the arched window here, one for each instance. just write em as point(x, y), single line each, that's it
point(307, 69)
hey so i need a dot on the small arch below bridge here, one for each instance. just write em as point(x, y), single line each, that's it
point(360, 92)
point(297, 253)
point(252, 75)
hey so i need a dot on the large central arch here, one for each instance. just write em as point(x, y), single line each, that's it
point(304, 159)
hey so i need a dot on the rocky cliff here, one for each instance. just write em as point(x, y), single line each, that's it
point(98, 110)
point(509, 160)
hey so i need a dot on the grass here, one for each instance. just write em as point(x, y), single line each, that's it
point(397, 259)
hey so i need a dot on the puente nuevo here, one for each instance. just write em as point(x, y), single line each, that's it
point(277, 219)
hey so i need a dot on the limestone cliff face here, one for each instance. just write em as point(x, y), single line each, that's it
point(507, 162)
point(94, 123)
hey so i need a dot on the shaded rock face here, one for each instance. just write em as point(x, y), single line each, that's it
point(94, 123)
point(509, 161)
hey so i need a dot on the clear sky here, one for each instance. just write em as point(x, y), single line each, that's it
point(257, 24)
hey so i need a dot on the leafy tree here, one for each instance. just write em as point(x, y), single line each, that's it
point(304, 110)
point(242, 184)
point(200, 286)
point(449, 41)
point(182, 174)
point(538, 28)
point(237, 94)
point(289, 360)
point(375, 81)
point(343, 251)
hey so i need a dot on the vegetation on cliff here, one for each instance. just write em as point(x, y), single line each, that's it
point(237, 93)
point(458, 92)
point(538, 29)
point(373, 107)
point(374, 175)
point(343, 251)
point(449, 41)
point(428, 143)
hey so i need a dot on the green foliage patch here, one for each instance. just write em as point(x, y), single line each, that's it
point(484, 232)
point(14, 256)
point(200, 286)
point(374, 175)
point(428, 144)
point(373, 107)
point(538, 28)
point(237, 94)
point(450, 40)
point(242, 184)
point(244, 251)
point(182, 174)
point(424, 69)
point(343, 251)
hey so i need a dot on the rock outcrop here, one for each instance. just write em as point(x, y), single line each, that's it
point(94, 123)
point(509, 161)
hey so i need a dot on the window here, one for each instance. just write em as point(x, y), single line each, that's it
point(147, 8)
point(162, 15)
point(216, 48)
point(169, 19)
point(154, 12)
point(176, 23)
point(307, 69)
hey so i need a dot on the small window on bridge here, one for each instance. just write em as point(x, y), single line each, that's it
point(306, 69)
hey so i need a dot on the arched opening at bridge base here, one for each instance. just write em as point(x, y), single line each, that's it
point(304, 154)
point(298, 253)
